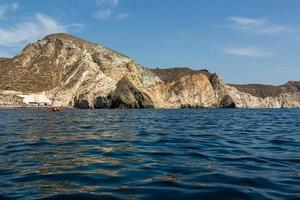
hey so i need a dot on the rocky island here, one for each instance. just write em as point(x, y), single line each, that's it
point(65, 71)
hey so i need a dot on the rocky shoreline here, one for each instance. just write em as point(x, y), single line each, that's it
point(64, 71)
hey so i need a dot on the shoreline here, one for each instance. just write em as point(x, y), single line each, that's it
point(44, 107)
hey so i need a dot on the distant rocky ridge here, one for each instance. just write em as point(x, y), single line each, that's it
point(70, 72)
point(264, 91)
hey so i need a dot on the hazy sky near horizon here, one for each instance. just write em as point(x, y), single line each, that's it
point(244, 41)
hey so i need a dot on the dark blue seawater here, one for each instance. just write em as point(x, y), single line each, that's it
point(150, 154)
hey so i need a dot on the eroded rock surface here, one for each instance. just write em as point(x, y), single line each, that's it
point(72, 72)
point(126, 95)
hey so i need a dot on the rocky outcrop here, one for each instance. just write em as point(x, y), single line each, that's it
point(126, 95)
point(72, 72)
point(264, 91)
point(67, 68)
point(195, 89)
point(266, 96)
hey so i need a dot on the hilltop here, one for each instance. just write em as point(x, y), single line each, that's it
point(68, 71)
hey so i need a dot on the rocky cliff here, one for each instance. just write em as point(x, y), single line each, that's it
point(72, 72)
point(266, 96)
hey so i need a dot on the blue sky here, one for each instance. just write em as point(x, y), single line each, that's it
point(244, 41)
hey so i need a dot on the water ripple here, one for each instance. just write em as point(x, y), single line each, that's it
point(150, 154)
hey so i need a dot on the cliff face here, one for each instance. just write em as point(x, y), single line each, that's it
point(73, 72)
point(126, 95)
point(186, 88)
point(68, 69)
point(266, 96)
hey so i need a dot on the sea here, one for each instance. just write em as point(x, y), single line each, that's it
point(150, 154)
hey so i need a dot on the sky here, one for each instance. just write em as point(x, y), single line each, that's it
point(244, 41)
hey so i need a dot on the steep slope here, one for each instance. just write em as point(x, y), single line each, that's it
point(68, 71)
point(41, 66)
point(67, 67)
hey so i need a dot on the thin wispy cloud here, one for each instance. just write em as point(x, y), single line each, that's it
point(103, 14)
point(247, 51)
point(14, 37)
point(122, 16)
point(255, 25)
point(6, 8)
point(110, 3)
point(25, 32)
point(106, 10)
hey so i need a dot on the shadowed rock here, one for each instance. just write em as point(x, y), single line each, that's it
point(227, 102)
point(125, 96)
point(81, 103)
